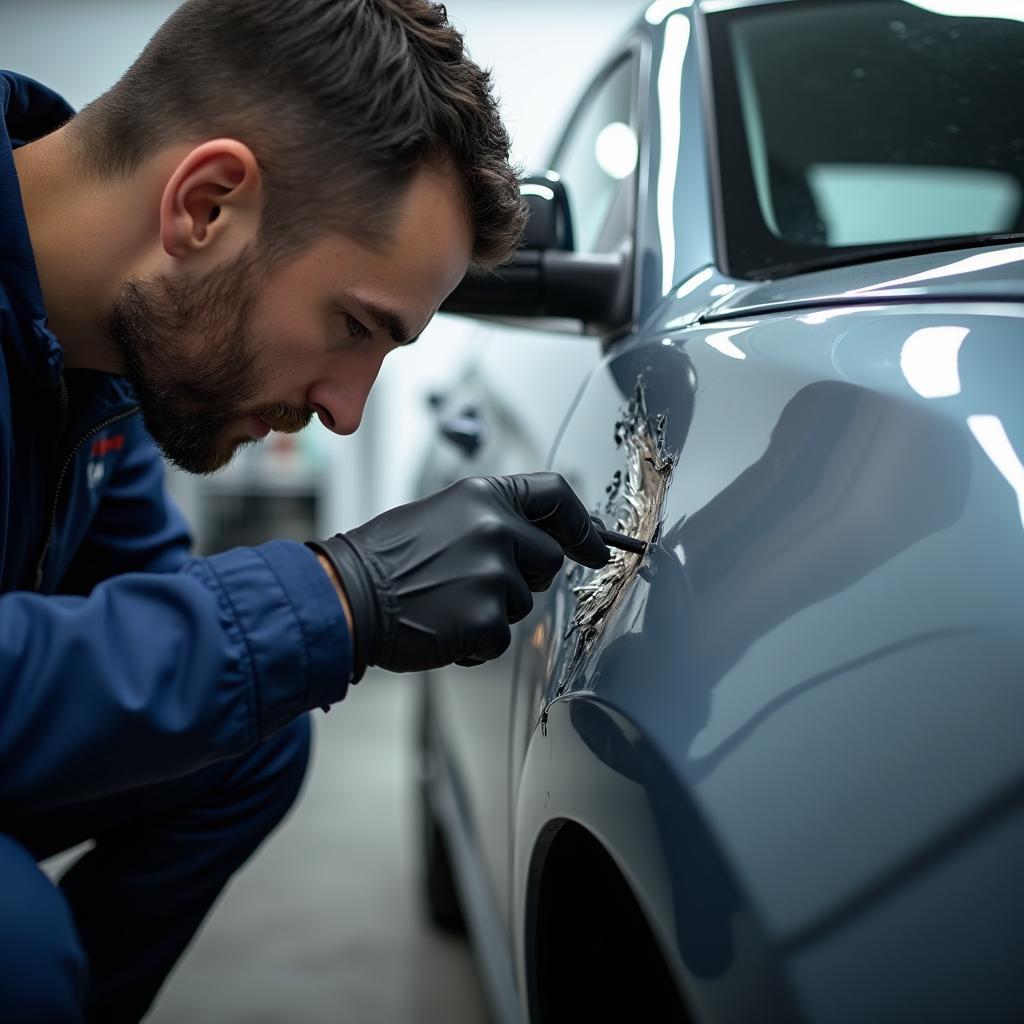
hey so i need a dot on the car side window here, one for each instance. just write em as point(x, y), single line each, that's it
point(597, 160)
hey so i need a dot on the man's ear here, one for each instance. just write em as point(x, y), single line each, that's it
point(214, 198)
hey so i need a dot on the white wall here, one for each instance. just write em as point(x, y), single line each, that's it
point(542, 53)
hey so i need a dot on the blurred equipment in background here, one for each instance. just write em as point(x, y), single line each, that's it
point(275, 489)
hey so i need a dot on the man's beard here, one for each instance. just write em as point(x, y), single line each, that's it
point(189, 354)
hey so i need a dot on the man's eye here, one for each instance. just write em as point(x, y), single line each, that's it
point(357, 330)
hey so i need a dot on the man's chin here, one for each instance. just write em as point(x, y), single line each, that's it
point(208, 461)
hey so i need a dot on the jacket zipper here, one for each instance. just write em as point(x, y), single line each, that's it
point(92, 432)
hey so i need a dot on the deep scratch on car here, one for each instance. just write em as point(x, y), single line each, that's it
point(635, 500)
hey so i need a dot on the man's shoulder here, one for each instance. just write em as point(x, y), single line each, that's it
point(30, 108)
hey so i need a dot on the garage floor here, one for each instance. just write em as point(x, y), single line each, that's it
point(324, 924)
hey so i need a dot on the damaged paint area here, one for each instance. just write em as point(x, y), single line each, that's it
point(634, 500)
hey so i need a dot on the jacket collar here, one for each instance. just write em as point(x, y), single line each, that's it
point(28, 111)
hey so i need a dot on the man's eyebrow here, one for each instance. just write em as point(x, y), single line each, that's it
point(393, 322)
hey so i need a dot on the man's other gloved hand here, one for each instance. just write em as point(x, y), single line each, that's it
point(439, 580)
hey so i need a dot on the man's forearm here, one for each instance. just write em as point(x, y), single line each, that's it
point(333, 577)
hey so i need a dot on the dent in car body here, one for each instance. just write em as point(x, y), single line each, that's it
point(635, 500)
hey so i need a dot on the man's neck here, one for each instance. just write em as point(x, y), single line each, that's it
point(76, 231)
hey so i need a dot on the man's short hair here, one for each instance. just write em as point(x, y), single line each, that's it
point(341, 101)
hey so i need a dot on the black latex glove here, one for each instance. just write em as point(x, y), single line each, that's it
point(439, 580)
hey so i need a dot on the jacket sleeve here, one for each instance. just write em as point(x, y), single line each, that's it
point(155, 675)
point(136, 528)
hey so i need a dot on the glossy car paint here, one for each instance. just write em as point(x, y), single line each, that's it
point(798, 736)
point(825, 655)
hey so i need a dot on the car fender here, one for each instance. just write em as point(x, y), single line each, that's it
point(588, 763)
point(820, 655)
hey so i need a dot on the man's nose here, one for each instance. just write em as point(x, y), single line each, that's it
point(339, 400)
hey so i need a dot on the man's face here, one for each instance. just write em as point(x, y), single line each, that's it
point(219, 360)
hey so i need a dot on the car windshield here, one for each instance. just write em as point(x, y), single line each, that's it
point(849, 128)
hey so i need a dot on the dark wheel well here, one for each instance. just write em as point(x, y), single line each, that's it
point(593, 955)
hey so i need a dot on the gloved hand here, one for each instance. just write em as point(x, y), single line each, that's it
point(439, 580)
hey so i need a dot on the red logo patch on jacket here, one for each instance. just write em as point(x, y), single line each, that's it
point(100, 447)
point(104, 445)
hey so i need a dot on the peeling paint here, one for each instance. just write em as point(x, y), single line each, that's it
point(635, 500)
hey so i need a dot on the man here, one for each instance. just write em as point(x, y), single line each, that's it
point(276, 194)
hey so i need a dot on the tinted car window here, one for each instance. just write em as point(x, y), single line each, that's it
point(597, 161)
point(865, 123)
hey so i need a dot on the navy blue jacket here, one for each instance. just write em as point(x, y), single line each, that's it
point(123, 661)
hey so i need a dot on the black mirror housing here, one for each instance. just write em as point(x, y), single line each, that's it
point(546, 278)
point(550, 222)
point(591, 288)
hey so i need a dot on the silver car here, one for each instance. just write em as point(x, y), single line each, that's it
point(768, 320)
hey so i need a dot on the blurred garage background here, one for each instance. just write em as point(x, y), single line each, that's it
point(325, 923)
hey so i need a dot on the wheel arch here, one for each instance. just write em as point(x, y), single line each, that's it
point(591, 771)
point(571, 935)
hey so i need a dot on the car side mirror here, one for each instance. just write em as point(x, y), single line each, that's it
point(546, 278)
point(549, 222)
